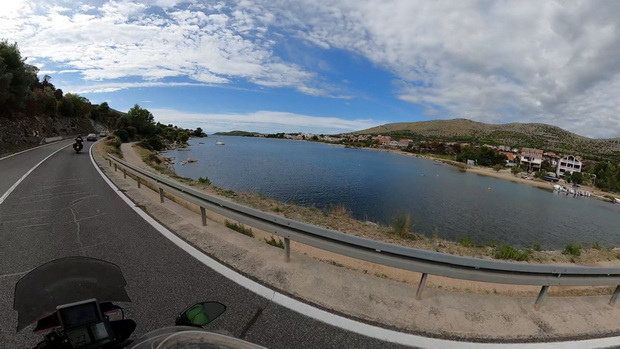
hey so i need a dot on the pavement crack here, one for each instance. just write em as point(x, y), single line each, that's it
point(77, 231)
point(80, 199)
point(252, 321)
point(34, 225)
point(91, 246)
point(90, 217)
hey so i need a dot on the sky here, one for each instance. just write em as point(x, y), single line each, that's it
point(332, 66)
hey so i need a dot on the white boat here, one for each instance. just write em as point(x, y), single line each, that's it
point(219, 142)
point(557, 187)
point(617, 201)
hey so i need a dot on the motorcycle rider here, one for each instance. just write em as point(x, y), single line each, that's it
point(77, 146)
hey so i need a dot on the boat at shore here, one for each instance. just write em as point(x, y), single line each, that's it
point(617, 200)
point(571, 191)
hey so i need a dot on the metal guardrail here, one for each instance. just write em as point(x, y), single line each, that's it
point(422, 261)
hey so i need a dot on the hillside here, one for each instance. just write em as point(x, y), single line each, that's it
point(541, 136)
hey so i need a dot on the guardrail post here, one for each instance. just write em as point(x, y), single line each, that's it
point(421, 285)
point(203, 213)
point(110, 161)
point(541, 295)
point(115, 167)
point(124, 174)
point(614, 297)
point(161, 195)
point(138, 179)
point(287, 249)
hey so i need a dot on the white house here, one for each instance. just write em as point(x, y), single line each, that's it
point(568, 164)
point(531, 158)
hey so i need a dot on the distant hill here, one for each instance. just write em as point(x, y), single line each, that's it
point(235, 133)
point(541, 136)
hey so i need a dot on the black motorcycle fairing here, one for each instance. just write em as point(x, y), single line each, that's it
point(63, 281)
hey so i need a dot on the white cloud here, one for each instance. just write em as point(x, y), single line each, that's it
point(538, 61)
point(546, 61)
point(118, 86)
point(261, 121)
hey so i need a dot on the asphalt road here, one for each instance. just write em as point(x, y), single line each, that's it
point(64, 208)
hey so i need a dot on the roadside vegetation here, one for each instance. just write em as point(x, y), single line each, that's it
point(273, 242)
point(238, 227)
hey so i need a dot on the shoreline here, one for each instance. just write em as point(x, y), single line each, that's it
point(503, 174)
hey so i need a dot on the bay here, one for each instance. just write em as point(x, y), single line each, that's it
point(375, 186)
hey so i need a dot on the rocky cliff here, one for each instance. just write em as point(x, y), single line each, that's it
point(23, 133)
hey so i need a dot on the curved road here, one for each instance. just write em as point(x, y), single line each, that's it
point(64, 208)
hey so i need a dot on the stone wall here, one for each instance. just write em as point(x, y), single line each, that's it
point(23, 133)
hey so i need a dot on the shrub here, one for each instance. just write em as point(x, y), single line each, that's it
point(153, 158)
point(573, 249)
point(466, 241)
point(155, 143)
point(239, 228)
point(340, 210)
point(509, 252)
point(597, 246)
point(123, 135)
point(537, 248)
point(204, 180)
point(401, 224)
point(273, 242)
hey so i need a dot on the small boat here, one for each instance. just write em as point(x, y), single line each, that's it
point(219, 143)
point(617, 201)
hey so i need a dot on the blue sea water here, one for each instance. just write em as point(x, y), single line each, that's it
point(376, 186)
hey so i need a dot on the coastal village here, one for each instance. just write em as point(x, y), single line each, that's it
point(545, 165)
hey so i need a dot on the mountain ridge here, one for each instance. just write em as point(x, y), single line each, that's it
point(532, 135)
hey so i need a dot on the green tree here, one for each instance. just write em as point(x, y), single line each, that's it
point(16, 78)
point(81, 105)
point(182, 137)
point(198, 132)
point(66, 107)
point(142, 120)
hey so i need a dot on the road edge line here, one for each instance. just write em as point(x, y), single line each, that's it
point(341, 322)
point(10, 190)
point(29, 149)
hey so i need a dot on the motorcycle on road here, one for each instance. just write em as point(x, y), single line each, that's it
point(78, 145)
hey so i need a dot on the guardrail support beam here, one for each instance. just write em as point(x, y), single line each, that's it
point(115, 167)
point(161, 195)
point(421, 285)
point(203, 213)
point(124, 174)
point(138, 180)
point(110, 161)
point(614, 297)
point(287, 249)
point(541, 295)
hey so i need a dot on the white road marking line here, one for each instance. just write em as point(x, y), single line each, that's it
point(8, 192)
point(340, 321)
point(23, 151)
